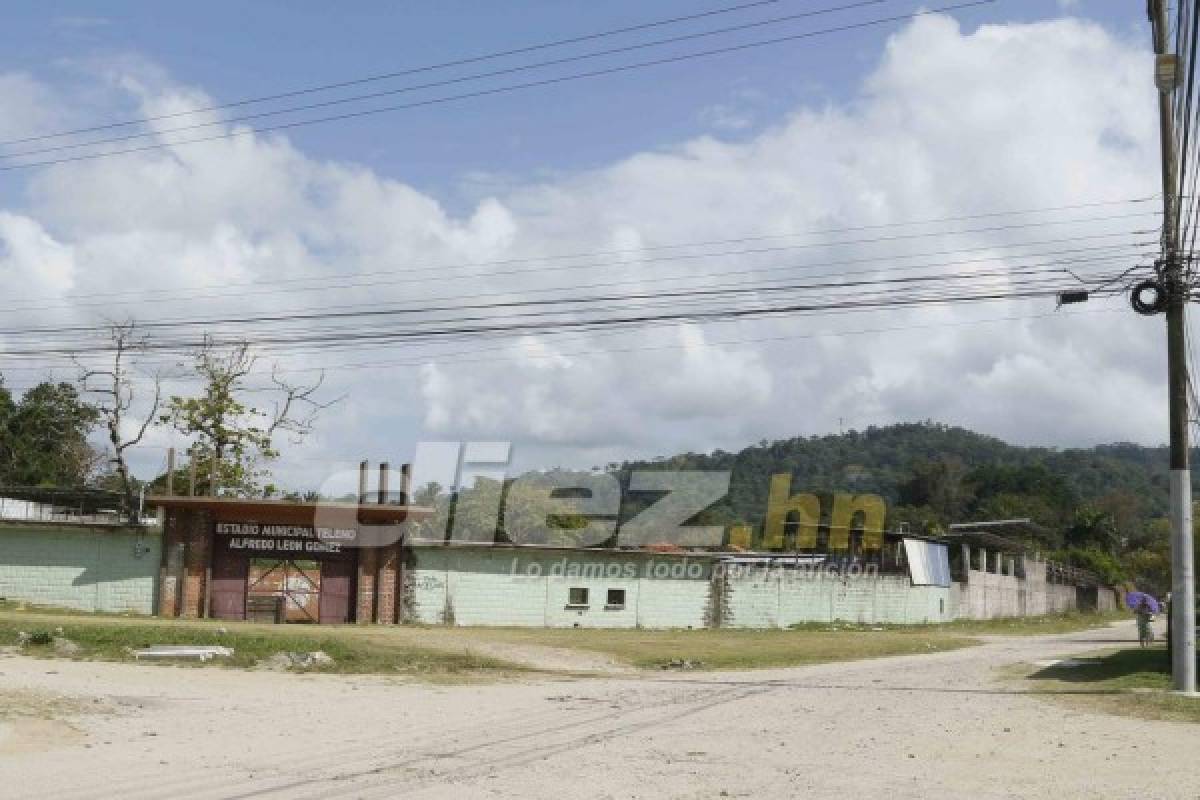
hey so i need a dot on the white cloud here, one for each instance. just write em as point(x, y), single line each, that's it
point(31, 259)
point(950, 123)
point(726, 117)
point(29, 107)
point(736, 114)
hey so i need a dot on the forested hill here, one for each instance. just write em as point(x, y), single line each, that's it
point(933, 474)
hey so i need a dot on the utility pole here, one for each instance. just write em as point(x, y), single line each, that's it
point(1183, 586)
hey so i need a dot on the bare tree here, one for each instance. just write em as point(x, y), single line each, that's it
point(112, 394)
point(296, 410)
point(232, 432)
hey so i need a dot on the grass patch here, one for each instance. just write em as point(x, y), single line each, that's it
point(1131, 682)
point(1067, 622)
point(110, 639)
point(731, 649)
point(444, 653)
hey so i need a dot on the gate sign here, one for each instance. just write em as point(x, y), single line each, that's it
point(256, 537)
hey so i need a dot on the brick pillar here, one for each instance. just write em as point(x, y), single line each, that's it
point(389, 559)
point(365, 609)
point(197, 535)
point(168, 584)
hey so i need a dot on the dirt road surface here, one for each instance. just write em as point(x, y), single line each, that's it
point(905, 727)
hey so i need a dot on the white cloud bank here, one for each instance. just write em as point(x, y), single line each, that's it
point(950, 123)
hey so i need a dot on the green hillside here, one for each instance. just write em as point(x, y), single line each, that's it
point(1103, 507)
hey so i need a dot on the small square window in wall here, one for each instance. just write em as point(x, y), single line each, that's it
point(615, 599)
point(577, 596)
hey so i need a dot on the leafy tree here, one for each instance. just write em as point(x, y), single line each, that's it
point(1109, 498)
point(46, 438)
point(1093, 528)
point(7, 409)
point(1011, 505)
point(941, 485)
point(1102, 563)
point(529, 519)
point(243, 477)
point(491, 510)
point(1149, 561)
point(226, 427)
point(915, 519)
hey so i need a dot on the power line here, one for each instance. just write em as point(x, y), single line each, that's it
point(499, 90)
point(444, 82)
point(1073, 267)
point(1133, 248)
point(1065, 256)
point(558, 335)
point(878, 303)
point(487, 326)
point(413, 71)
point(652, 248)
point(722, 291)
point(442, 357)
point(752, 340)
point(1059, 266)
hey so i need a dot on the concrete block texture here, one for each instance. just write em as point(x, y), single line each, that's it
point(89, 568)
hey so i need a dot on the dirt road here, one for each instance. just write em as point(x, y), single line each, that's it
point(905, 727)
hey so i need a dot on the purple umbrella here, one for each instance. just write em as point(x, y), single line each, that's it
point(1134, 599)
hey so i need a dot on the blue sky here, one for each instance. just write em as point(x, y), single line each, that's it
point(878, 126)
point(235, 50)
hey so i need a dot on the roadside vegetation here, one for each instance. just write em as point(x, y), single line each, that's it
point(1067, 622)
point(433, 652)
point(447, 653)
point(112, 638)
point(730, 649)
point(1132, 682)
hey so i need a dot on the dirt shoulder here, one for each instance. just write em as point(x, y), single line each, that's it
point(914, 726)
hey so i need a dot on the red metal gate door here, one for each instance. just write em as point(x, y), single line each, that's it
point(227, 596)
point(337, 590)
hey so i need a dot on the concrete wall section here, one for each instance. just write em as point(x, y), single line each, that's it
point(114, 569)
point(508, 587)
point(482, 589)
point(89, 568)
point(675, 603)
point(1021, 590)
point(991, 595)
point(783, 599)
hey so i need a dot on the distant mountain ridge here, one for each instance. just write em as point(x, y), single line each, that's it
point(886, 460)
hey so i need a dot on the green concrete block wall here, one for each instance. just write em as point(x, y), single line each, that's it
point(673, 603)
point(785, 599)
point(504, 587)
point(805, 600)
point(754, 602)
point(426, 587)
point(89, 568)
point(484, 591)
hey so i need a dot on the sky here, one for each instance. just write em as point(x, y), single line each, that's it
point(1001, 107)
